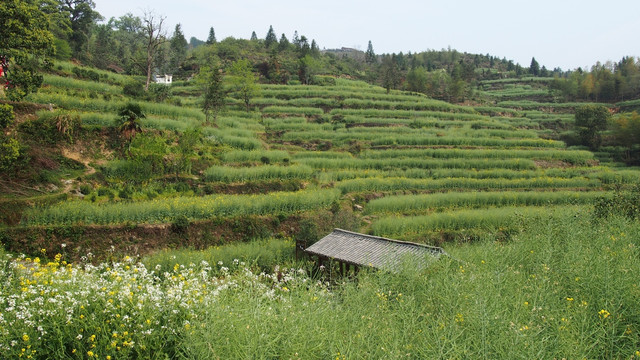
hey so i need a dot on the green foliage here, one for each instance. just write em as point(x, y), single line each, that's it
point(177, 50)
point(421, 203)
point(158, 92)
point(564, 278)
point(214, 91)
point(591, 120)
point(128, 121)
point(9, 152)
point(53, 126)
point(626, 133)
point(180, 225)
point(165, 210)
point(243, 81)
point(6, 115)
point(133, 88)
point(26, 45)
point(624, 202)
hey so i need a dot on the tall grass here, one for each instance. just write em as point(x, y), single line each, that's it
point(71, 83)
point(564, 287)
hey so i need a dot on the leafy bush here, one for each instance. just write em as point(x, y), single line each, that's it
point(180, 224)
point(9, 152)
point(624, 202)
point(158, 92)
point(133, 88)
point(6, 115)
point(85, 189)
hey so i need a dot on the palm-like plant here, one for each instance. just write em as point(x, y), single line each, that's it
point(128, 121)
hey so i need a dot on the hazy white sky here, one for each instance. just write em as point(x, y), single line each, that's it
point(558, 33)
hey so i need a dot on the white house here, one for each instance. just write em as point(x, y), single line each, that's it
point(166, 79)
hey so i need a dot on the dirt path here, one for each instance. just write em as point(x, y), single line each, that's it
point(74, 155)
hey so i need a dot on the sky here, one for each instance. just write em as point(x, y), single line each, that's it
point(558, 33)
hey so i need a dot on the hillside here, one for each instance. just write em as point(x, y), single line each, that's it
point(305, 159)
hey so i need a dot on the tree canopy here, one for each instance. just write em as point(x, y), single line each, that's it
point(26, 46)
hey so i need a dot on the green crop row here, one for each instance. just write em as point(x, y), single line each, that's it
point(167, 210)
point(408, 114)
point(71, 83)
point(154, 122)
point(465, 141)
point(387, 163)
point(396, 184)
point(571, 156)
point(229, 174)
point(101, 105)
point(243, 156)
point(484, 219)
point(421, 203)
point(292, 110)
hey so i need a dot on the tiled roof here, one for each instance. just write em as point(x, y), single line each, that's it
point(373, 251)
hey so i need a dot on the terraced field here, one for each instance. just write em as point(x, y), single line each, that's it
point(411, 167)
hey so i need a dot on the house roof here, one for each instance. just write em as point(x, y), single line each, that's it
point(366, 250)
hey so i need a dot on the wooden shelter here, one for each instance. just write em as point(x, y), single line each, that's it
point(354, 249)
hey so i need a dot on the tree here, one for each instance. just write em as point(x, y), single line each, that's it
point(82, 18)
point(102, 46)
point(214, 92)
point(154, 38)
point(177, 49)
point(212, 37)
point(26, 46)
point(370, 56)
point(590, 121)
point(417, 80)
point(129, 43)
point(271, 38)
point(390, 73)
point(307, 67)
point(284, 43)
point(315, 50)
point(625, 129)
point(534, 68)
point(243, 81)
point(254, 37)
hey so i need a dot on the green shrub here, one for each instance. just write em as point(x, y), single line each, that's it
point(624, 202)
point(9, 152)
point(180, 224)
point(6, 115)
point(85, 189)
point(133, 88)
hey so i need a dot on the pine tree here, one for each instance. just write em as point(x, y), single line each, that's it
point(177, 49)
point(271, 37)
point(254, 37)
point(370, 56)
point(296, 39)
point(284, 43)
point(315, 50)
point(534, 69)
point(214, 92)
point(212, 37)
